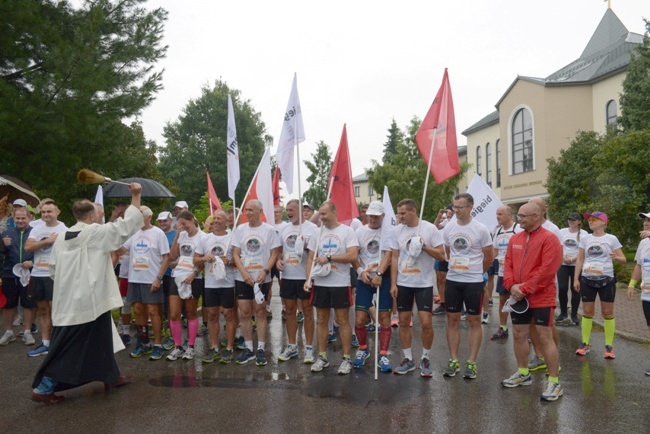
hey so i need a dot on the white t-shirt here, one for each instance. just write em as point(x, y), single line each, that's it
point(187, 247)
point(550, 226)
point(295, 268)
point(415, 272)
point(642, 258)
point(42, 256)
point(255, 245)
point(279, 227)
point(146, 249)
point(216, 245)
point(501, 239)
point(570, 245)
point(355, 224)
point(370, 254)
point(125, 265)
point(335, 241)
point(597, 250)
point(466, 244)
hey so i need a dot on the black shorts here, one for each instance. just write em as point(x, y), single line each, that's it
point(331, 297)
point(41, 288)
point(646, 311)
point(294, 289)
point(167, 284)
point(494, 268)
point(275, 272)
point(246, 292)
point(442, 266)
point(605, 289)
point(500, 288)
point(543, 316)
point(457, 293)
point(13, 290)
point(423, 298)
point(219, 297)
point(197, 288)
point(353, 277)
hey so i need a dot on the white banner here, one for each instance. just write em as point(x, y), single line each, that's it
point(99, 199)
point(389, 221)
point(486, 202)
point(233, 152)
point(293, 132)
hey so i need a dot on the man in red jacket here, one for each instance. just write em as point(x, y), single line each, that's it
point(532, 259)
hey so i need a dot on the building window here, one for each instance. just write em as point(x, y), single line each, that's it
point(478, 160)
point(488, 164)
point(610, 114)
point(498, 145)
point(370, 192)
point(522, 142)
point(357, 191)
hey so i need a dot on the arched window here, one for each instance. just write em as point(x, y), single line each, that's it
point(498, 145)
point(522, 142)
point(610, 114)
point(488, 164)
point(478, 160)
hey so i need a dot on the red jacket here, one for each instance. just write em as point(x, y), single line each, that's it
point(533, 259)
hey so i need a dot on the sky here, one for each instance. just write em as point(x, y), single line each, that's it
point(364, 63)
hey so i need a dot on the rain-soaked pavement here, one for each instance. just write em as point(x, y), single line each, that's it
point(599, 394)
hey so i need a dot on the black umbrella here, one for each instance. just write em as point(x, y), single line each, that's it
point(16, 189)
point(150, 188)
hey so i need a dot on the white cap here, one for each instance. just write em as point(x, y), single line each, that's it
point(165, 215)
point(375, 208)
point(642, 215)
point(181, 204)
point(322, 270)
point(20, 202)
point(308, 205)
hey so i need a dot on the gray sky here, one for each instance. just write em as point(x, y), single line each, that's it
point(364, 63)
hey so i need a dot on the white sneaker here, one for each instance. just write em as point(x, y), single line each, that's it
point(553, 392)
point(288, 353)
point(28, 339)
point(309, 357)
point(321, 363)
point(6, 338)
point(18, 321)
point(486, 318)
point(175, 354)
point(346, 367)
point(189, 353)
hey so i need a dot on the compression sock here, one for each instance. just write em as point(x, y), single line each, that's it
point(362, 335)
point(177, 332)
point(192, 330)
point(587, 323)
point(384, 339)
point(610, 326)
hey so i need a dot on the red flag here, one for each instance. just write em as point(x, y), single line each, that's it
point(212, 195)
point(439, 128)
point(276, 186)
point(341, 186)
point(261, 190)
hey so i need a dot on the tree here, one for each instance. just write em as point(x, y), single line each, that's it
point(196, 142)
point(320, 168)
point(635, 104)
point(393, 138)
point(405, 172)
point(68, 78)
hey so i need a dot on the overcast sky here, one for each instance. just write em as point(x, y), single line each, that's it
point(366, 62)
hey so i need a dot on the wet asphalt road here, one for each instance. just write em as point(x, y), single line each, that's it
point(599, 394)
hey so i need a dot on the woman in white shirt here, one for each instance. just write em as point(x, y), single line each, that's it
point(570, 238)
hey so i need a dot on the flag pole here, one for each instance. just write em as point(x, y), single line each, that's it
point(381, 255)
point(295, 140)
point(320, 232)
point(426, 181)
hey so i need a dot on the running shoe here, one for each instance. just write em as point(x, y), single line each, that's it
point(40, 351)
point(384, 364)
point(561, 317)
point(28, 339)
point(452, 368)
point(7, 338)
point(346, 367)
point(213, 354)
point(288, 353)
point(371, 327)
point(609, 352)
point(300, 317)
point(583, 349)
point(536, 364)
point(336, 328)
point(647, 372)
point(18, 321)
point(553, 392)
point(141, 350)
point(470, 370)
point(126, 339)
point(425, 368)
point(284, 315)
point(491, 302)
point(411, 324)
point(240, 344)
point(269, 312)
point(360, 358)
point(203, 330)
point(517, 379)
point(405, 367)
point(355, 341)
point(309, 357)
point(485, 318)
point(33, 330)
point(223, 342)
point(227, 356)
point(394, 320)
point(559, 369)
point(245, 357)
point(254, 322)
point(574, 320)
point(440, 310)
point(176, 354)
point(168, 343)
point(500, 334)
point(331, 338)
point(437, 300)
point(260, 357)
point(320, 364)
point(189, 353)
point(463, 315)
point(157, 352)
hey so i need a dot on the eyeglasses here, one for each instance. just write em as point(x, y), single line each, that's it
point(456, 208)
point(594, 219)
point(523, 216)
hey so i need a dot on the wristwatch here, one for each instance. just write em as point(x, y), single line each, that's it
point(159, 277)
point(266, 270)
point(329, 258)
point(379, 273)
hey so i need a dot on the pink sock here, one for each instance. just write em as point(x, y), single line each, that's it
point(177, 332)
point(192, 330)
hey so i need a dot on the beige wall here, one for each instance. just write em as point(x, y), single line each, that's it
point(481, 138)
point(364, 197)
point(602, 93)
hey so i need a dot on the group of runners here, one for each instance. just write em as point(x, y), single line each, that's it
point(348, 274)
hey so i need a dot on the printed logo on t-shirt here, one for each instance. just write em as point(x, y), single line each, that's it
point(330, 244)
point(570, 244)
point(373, 247)
point(595, 251)
point(253, 246)
point(187, 250)
point(291, 241)
point(461, 244)
point(142, 245)
point(217, 251)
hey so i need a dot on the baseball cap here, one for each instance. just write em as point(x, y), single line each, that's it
point(181, 204)
point(20, 202)
point(165, 215)
point(375, 208)
point(321, 270)
point(308, 205)
point(574, 216)
point(597, 214)
point(644, 215)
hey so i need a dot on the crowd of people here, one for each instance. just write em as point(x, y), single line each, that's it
point(334, 279)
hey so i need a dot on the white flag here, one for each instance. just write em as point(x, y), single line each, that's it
point(99, 199)
point(261, 189)
point(486, 202)
point(388, 223)
point(293, 132)
point(233, 152)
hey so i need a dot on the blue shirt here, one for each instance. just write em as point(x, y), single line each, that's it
point(15, 252)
